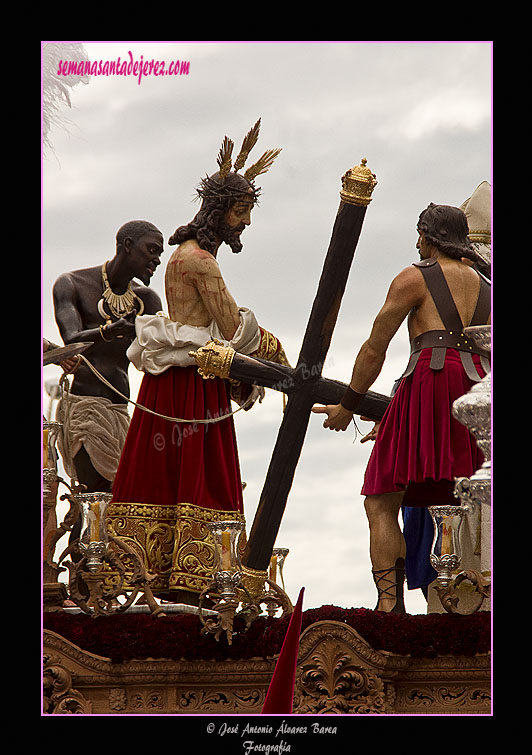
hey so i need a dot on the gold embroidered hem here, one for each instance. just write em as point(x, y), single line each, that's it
point(174, 542)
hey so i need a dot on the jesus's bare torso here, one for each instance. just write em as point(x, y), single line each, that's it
point(196, 293)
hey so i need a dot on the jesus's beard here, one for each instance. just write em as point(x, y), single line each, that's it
point(231, 236)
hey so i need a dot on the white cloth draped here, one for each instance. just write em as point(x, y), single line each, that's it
point(98, 425)
point(161, 343)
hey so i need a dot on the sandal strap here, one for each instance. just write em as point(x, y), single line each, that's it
point(383, 575)
point(380, 576)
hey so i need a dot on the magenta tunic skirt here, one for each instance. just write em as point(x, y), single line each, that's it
point(420, 447)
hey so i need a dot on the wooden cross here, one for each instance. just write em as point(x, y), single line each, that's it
point(304, 384)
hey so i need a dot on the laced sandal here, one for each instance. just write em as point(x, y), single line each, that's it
point(394, 577)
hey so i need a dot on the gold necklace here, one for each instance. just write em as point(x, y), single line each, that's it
point(120, 305)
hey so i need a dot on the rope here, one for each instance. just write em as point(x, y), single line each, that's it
point(163, 416)
point(65, 425)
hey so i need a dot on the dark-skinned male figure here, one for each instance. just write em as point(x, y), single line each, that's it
point(99, 305)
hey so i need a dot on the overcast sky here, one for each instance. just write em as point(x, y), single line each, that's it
point(420, 112)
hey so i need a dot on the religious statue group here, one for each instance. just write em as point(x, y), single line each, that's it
point(168, 477)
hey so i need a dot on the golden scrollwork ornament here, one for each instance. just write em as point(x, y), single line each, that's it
point(213, 360)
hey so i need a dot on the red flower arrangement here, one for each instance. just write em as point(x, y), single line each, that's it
point(125, 637)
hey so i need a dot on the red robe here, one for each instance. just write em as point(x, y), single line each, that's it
point(174, 478)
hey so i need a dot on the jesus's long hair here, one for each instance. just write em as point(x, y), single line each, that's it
point(218, 196)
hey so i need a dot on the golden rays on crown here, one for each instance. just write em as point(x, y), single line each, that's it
point(262, 165)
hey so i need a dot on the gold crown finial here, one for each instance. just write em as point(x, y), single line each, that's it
point(358, 184)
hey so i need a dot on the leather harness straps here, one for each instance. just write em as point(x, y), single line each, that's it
point(453, 336)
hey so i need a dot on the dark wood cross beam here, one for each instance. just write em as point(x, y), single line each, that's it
point(304, 384)
point(290, 380)
point(304, 387)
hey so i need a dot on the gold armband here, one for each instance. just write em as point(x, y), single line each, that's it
point(102, 328)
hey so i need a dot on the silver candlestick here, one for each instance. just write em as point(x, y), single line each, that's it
point(226, 581)
point(93, 542)
point(228, 586)
point(104, 567)
point(445, 556)
point(280, 555)
point(54, 592)
point(474, 411)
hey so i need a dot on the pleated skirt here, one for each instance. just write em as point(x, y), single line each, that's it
point(420, 447)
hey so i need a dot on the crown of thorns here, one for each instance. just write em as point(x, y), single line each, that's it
point(216, 186)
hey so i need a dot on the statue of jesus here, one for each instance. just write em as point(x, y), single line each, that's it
point(176, 477)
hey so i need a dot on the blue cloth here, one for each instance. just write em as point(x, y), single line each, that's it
point(418, 531)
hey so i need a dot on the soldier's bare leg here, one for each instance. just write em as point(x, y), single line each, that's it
point(387, 543)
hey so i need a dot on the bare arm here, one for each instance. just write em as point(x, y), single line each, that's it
point(69, 319)
point(67, 316)
point(215, 296)
point(152, 301)
point(406, 291)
